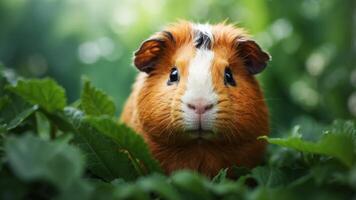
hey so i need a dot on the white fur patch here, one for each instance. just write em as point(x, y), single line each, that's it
point(200, 86)
point(205, 29)
point(203, 36)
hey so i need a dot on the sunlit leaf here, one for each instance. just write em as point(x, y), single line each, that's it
point(336, 143)
point(44, 92)
point(96, 102)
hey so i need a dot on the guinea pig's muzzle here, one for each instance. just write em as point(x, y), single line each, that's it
point(199, 117)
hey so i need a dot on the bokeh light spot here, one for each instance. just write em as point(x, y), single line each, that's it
point(89, 52)
point(303, 94)
point(281, 29)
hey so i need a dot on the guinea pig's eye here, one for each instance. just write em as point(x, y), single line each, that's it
point(173, 76)
point(228, 78)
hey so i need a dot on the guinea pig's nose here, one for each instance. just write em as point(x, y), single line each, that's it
point(200, 106)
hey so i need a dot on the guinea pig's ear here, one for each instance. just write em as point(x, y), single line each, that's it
point(255, 59)
point(151, 50)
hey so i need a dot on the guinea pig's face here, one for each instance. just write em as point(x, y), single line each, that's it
point(200, 85)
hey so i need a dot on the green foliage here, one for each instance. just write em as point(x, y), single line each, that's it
point(96, 102)
point(45, 92)
point(129, 142)
point(21, 117)
point(104, 157)
point(49, 151)
point(32, 159)
point(339, 144)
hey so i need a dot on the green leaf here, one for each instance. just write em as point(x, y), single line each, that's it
point(344, 127)
point(33, 159)
point(4, 101)
point(14, 107)
point(129, 142)
point(2, 151)
point(43, 126)
point(96, 102)
point(221, 176)
point(21, 117)
point(191, 185)
point(338, 144)
point(2, 129)
point(328, 172)
point(44, 92)
point(125, 190)
point(103, 190)
point(7, 76)
point(272, 177)
point(78, 189)
point(264, 193)
point(104, 157)
point(159, 184)
point(230, 189)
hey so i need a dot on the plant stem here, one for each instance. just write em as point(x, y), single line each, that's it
point(53, 131)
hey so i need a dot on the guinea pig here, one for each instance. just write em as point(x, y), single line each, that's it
point(196, 101)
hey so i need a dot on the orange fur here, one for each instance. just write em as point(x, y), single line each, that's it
point(153, 108)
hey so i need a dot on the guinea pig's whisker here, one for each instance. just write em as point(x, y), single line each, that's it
point(175, 124)
point(222, 100)
point(223, 112)
point(219, 119)
point(246, 114)
point(178, 110)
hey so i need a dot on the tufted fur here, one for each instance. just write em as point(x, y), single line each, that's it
point(154, 109)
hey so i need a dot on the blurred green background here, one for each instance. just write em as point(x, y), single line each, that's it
point(313, 44)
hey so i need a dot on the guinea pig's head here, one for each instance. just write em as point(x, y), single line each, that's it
point(199, 84)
